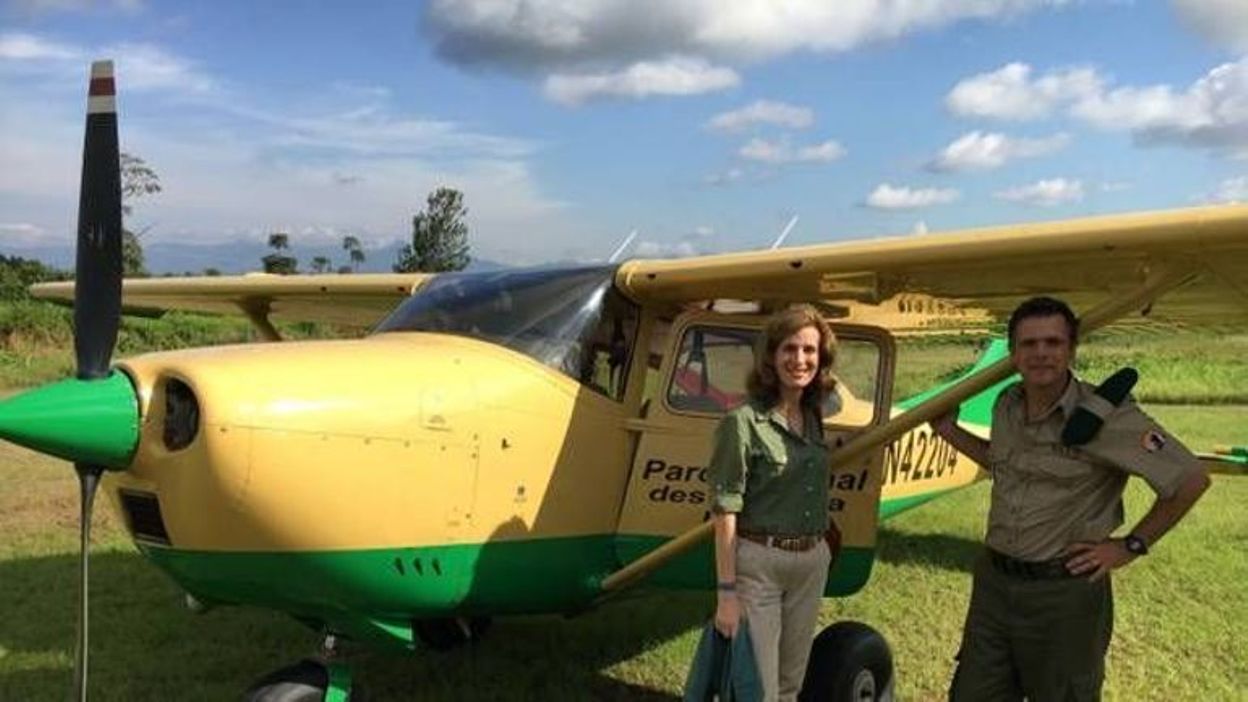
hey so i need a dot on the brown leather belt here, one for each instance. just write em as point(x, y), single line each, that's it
point(784, 543)
point(1053, 569)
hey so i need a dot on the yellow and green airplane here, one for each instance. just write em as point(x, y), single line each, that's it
point(534, 441)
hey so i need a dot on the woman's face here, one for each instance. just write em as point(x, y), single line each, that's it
point(797, 358)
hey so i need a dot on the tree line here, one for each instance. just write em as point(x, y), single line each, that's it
point(438, 240)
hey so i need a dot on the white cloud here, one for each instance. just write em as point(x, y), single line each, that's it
point(1210, 113)
point(147, 67)
point(38, 7)
point(782, 152)
point(780, 114)
point(374, 130)
point(657, 249)
point(980, 151)
point(1046, 193)
point(1010, 93)
point(340, 161)
point(1231, 190)
point(16, 46)
point(888, 197)
point(139, 67)
point(728, 177)
point(678, 75)
point(1224, 22)
point(21, 233)
point(551, 34)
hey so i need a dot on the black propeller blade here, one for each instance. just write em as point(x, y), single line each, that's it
point(97, 285)
point(97, 296)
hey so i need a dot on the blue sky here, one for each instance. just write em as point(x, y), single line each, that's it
point(704, 125)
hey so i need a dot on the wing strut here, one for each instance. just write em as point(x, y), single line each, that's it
point(258, 312)
point(1107, 312)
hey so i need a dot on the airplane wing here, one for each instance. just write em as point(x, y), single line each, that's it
point(988, 271)
point(351, 300)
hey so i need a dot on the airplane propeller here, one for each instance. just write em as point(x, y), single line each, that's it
point(92, 419)
point(97, 300)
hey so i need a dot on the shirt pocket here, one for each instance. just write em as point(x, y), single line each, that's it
point(1058, 465)
point(769, 456)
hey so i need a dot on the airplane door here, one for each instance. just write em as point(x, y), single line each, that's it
point(703, 377)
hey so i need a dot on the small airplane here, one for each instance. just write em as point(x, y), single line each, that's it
point(535, 441)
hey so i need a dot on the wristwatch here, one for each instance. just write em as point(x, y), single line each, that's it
point(1136, 545)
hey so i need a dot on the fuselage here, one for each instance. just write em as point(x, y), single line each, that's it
point(363, 484)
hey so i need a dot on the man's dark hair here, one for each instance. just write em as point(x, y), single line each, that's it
point(1045, 307)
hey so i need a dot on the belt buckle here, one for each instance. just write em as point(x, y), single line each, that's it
point(796, 544)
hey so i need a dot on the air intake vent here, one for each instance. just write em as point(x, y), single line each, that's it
point(181, 415)
point(143, 516)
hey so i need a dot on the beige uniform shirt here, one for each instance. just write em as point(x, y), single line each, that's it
point(1046, 496)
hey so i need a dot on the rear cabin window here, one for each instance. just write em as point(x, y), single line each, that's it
point(709, 376)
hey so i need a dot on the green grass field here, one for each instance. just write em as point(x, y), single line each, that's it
point(1181, 612)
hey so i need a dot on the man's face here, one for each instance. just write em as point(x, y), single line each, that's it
point(1042, 351)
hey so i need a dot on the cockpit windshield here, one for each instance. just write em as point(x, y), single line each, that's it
point(548, 314)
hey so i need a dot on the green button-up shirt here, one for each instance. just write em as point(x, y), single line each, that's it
point(774, 479)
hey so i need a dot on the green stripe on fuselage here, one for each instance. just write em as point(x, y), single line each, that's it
point(977, 409)
point(372, 595)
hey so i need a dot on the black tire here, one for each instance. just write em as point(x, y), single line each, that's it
point(304, 681)
point(446, 633)
point(849, 662)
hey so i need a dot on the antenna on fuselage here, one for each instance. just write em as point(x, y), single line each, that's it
point(784, 234)
point(620, 249)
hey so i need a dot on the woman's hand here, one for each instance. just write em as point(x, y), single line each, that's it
point(728, 614)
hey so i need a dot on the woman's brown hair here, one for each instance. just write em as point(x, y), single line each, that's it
point(763, 384)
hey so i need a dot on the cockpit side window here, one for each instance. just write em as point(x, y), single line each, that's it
point(712, 363)
point(606, 355)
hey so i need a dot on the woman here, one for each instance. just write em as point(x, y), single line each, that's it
point(769, 475)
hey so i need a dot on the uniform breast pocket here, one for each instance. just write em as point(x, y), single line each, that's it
point(769, 459)
point(1059, 465)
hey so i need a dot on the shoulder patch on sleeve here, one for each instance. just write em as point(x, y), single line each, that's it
point(1152, 441)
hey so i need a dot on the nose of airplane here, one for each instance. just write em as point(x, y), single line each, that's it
point(94, 422)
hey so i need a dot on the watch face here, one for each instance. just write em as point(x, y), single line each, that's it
point(1136, 545)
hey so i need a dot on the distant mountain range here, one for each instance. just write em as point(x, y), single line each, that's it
point(229, 257)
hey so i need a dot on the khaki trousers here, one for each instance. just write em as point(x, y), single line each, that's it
point(780, 592)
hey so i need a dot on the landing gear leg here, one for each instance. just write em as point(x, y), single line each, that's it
point(446, 633)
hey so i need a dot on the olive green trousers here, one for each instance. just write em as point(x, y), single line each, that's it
point(1043, 640)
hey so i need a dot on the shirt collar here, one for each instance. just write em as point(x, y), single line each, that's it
point(1066, 403)
point(772, 415)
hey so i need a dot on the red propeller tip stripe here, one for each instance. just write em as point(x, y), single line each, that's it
point(102, 87)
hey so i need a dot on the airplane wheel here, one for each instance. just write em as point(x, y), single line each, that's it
point(446, 633)
point(849, 662)
point(305, 681)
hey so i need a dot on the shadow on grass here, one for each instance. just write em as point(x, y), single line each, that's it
point(937, 550)
point(146, 645)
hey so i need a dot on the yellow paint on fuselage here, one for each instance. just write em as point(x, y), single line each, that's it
point(404, 439)
point(921, 462)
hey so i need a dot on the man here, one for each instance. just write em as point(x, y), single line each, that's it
point(1041, 611)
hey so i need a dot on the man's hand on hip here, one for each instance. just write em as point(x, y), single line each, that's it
point(1096, 560)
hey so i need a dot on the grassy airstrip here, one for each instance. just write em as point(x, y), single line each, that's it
point(1181, 612)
